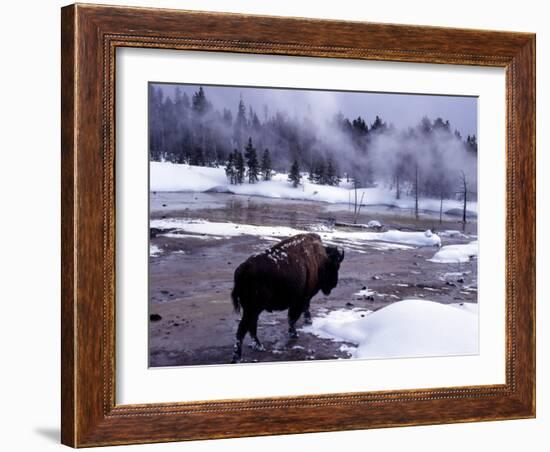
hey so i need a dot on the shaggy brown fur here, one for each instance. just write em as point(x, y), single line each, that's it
point(285, 276)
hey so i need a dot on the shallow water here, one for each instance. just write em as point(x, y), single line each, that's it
point(295, 213)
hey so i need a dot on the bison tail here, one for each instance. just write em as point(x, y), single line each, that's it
point(235, 298)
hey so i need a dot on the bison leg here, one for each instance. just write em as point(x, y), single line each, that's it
point(241, 333)
point(294, 313)
point(248, 323)
point(237, 352)
point(253, 329)
point(307, 314)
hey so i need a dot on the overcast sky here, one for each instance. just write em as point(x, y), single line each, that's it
point(403, 110)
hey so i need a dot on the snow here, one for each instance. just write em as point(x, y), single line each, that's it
point(411, 238)
point(347, 349)
point(453, 275)
point(165, 176)
point(364, 293)
point(154, 250)
point(395, 239)
point(333, 325)
point(374, 224)
point(204, 228)
point(172, 177)
point(470, 307)
point(451, 233)
point(172, 235)
point(455, 253)
point(408, 328)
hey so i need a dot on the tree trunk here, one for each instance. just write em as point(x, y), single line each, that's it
point(464, 212)
point(416, 191)
point(358, 209)
point(397, 190)
point(465, 197)
point(355, 203)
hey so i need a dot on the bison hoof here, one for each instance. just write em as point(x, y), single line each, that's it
point(235, 359)
point(257, 346)
point(307, 321)
point(293, 334)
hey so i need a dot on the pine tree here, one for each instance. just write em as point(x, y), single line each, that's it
point(294, 175)
point(378, 125)
point(331, 174)
point(230, 170)
point(320, 173)
point(251, 162)
point(311, 176)
point(471, 143)
point(239, 125)
point(200, 103)
point(266, 169)
point(239, 167)
point(197, 157)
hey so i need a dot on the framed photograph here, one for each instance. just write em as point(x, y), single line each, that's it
point(281, 225)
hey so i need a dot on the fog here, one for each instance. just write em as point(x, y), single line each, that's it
point(403, 110)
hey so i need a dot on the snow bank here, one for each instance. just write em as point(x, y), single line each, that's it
point(374, 224)
point(409, 328)
point(351, 238)
point(453, 276)
point(364, 293)
point(334, 325)
point(154, 250)
point(451, 233)
point(166, 176)
point(426, 238)
point(207, 228)
point(451, 254)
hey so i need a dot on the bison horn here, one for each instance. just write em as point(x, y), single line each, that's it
point(340, 255)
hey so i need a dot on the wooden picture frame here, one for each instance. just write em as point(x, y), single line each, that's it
point(90, 35)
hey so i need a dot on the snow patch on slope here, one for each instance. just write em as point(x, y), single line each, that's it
point(409, 328)
point(154, 250)
point(451, 254)
point(172, 177)
point(394, 238)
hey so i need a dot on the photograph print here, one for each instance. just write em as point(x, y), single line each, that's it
point(293, 225)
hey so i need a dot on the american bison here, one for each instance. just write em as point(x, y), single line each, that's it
point(286, 276)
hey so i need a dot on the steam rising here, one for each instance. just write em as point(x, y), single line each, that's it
point(312, 128)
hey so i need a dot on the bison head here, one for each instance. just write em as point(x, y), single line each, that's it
point(329, 273)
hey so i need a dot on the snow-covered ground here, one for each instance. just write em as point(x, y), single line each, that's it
point(154, 250)
point(452, 254)
point(364, 293)
point(391, 239)
point(171, 177)
point(452, 233)
point(408, 328)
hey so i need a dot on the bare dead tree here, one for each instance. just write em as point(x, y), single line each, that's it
point(358, 209)
point(464, 193)
point(397, 187)
point(416, 190)
point(441, 197)
point(355, 202)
